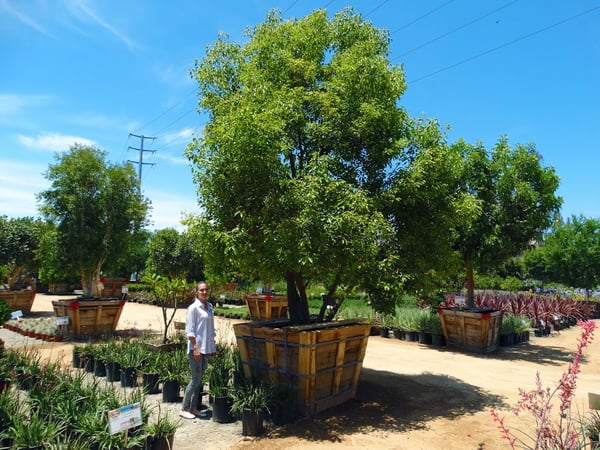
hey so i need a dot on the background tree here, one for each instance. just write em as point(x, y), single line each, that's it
point(19, 241)
point(174, 255)
point(516, 198)
point(571, 253)
point(96, 206)
point(306, 108)
point(425, 205)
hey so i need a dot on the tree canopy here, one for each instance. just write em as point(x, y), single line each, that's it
point(308, 169)
point(570, 252)
point(515, 196)
point(19, 241)
point(303, 127)
point(96, 206)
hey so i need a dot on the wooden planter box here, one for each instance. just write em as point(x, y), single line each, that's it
point(111, 287)
point(266, 307)
point(89, 316)
point(19, 300)
point(321, 361)
point(471, 330)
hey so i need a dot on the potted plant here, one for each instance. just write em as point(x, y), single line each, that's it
point(219, 375)
point(173, 370)
point(150, 373)
point(250, 400)
point(130, 357)
point(160, 431)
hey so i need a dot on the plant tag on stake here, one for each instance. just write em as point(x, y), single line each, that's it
point(16, 315)
point(124, 418)
point(64, 320)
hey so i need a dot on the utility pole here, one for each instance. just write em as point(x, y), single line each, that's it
point(141, 162)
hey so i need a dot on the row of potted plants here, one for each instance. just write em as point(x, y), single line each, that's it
point(44, 328)
point(52, 406)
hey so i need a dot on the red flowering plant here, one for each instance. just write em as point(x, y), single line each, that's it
point(564, 432)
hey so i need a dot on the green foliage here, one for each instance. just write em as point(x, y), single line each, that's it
point(96, 207)
point(514, 197)
point(304, 124)
point(220, 370)
point(251, 394)
point(570, 253)
point(174, 255)
point(168, 294)
point(19, 242)
point(5, 312)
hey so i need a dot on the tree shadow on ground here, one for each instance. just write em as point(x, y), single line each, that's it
point(391, 402)
point(538, 354)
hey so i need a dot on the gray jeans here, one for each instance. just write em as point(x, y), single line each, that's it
point(194, 387)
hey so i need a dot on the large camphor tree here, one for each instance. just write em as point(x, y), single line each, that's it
point(303, 129)
point(516, 201)
point(97, 208)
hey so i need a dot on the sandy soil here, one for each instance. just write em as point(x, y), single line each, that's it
point(410, 396)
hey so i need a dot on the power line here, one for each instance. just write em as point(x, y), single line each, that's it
point(421, 17)
point(290, 7)
point(376, 8)
point(455, 29)
point(188, 95)
point(506, 44)
point(166, 127)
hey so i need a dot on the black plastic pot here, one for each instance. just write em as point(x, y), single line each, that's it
point(128, 377)
point(252, 422)
point(170, 391)
point(99, 368)
point(221, 410)
point(113, 371)
point(150, 383)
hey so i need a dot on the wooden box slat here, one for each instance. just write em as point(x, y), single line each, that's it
point(265, 307)
point(19, 300)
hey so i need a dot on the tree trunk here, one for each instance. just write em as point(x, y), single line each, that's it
point(296, 295)
point(87, 283)
point(470, 284)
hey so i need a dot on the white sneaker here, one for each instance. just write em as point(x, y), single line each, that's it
point(186, 414)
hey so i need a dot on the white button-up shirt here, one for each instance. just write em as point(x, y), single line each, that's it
point(199, 322)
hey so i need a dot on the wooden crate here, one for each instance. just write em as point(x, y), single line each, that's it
point(322, 361)
point(265, 307)
point(89, 317)
point(19, 300)
point(470, 330)
point(111, 287)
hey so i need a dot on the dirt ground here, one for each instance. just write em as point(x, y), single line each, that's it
point(410, 396)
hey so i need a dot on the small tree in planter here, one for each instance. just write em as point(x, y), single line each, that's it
point(168, 293)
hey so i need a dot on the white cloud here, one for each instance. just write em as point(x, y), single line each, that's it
point(19, 183)
point(184, 134)
point(81, 9)
point(12, 105)
point(181, 160)
point(53, 141)
point(27, 20)
point(168, 209)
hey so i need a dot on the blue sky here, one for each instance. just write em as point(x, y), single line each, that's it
point(96, 71)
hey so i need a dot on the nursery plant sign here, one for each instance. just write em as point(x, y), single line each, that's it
point(124, 418)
